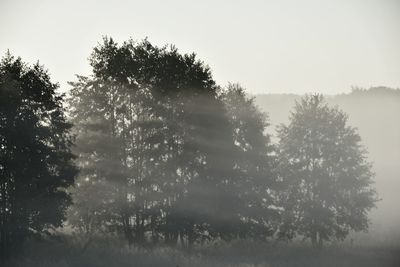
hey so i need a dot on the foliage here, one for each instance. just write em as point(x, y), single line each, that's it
point(165, 156)
point(35, 158)
point(256, 183)
point(328, 180)
point(152, 139)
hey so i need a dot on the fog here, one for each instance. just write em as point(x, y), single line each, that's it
point(374, 111)
point(240, 134)
point(152, 161)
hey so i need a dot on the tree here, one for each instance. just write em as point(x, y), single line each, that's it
point(256, 183)
point(149, 128)
point(35, 158)
point(324, 167)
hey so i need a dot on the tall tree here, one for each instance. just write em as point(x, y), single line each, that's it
point(256, 183)
point(154, 115)
point(35, 158)
point(326, 173)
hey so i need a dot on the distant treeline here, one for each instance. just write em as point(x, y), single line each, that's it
point(148, 148)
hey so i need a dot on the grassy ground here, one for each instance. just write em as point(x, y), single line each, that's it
point(102, 253)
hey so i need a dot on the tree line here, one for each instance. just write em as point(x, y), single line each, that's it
point(150, 149)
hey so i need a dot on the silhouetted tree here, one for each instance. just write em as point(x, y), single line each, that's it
point(328, 180)
point(35, 158)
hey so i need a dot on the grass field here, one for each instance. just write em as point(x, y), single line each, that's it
point(107, 252)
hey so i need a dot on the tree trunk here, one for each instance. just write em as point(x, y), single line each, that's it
point(191, 236)
point(314, 239)
point(320, 241)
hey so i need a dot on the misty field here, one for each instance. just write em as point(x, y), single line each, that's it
point(146, 157)
point(111, 252)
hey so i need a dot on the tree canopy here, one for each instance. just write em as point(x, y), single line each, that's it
point(162, 154)
point(153, 128)
point(35, 158)
point(326, 173)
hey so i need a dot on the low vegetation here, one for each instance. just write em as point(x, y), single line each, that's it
point(68, 251)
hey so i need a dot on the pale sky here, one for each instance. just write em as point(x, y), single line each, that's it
point(267, 46)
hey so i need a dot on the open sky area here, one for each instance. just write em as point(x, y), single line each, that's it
point(267, 46)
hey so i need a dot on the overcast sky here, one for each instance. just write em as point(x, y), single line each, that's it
point(267, 46)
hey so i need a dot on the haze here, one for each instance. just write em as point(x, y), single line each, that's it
point(271, 46)
point(200, 133)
